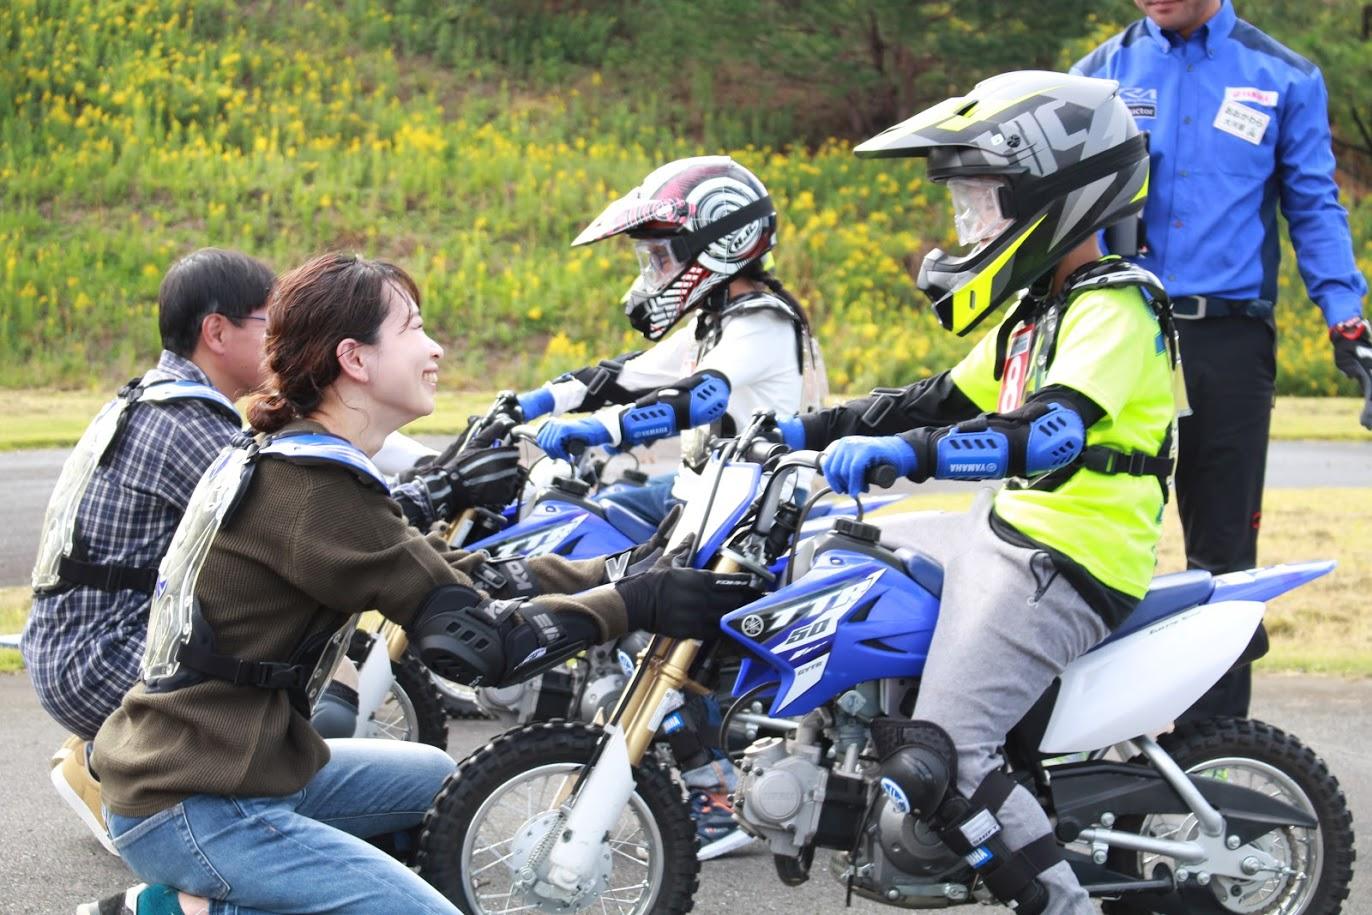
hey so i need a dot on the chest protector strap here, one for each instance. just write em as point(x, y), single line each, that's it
point(709, 329)
point(60, 560)
point(181, 649)
point(1048, 313)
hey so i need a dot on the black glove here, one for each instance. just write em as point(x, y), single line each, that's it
point(1353, 355)
point(488, 478)
point(680, 602)
point(646, 555)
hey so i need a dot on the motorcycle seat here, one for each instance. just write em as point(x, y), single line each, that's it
point(1169, 594)
point(627, 522)
point(926, 572)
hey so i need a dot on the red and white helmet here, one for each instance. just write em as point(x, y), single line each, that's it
point(695, 223)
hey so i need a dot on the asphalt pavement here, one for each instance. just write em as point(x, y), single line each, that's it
point(52, 863)
point(27, 478)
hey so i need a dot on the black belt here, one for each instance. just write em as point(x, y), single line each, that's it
point(1193, 307)
point(107, 577)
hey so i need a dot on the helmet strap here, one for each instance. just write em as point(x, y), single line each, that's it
point(691, 245)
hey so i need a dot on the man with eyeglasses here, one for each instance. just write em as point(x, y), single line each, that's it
point(121, 495)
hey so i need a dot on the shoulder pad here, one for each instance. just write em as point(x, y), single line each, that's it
point(171, 390)
point(322, 448)
point(758, 301)
point(1120, 273)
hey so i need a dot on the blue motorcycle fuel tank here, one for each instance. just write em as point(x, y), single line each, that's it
point(850, 619)
point(560, 526)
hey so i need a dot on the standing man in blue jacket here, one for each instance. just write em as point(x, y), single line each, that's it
point(1237, 123)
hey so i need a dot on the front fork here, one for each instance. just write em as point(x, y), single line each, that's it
point(604, 787)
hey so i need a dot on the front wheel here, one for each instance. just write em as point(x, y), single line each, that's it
point(495, 814)
point(1317, 863)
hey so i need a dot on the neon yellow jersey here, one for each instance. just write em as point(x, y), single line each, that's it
point(1109, 348)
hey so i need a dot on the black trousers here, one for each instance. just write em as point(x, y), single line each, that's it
point(1231, 370)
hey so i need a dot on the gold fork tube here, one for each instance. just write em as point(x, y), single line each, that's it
point(668, 669)
point(457, 528)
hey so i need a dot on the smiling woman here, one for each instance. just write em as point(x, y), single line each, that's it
point(346, 347)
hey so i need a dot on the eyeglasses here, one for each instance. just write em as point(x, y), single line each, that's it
point(238, 319)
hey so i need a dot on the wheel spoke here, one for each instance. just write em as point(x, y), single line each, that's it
point(485, 867)
point(485, 848)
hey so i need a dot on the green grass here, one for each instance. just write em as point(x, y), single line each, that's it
point(49, 419)
point(14, 610)
point(133, 133)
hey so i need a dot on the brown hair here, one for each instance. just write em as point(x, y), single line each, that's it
point(327, 299)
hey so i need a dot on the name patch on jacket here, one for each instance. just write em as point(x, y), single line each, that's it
point(1250, 94)
point(1237, 119)
point(1142, 103)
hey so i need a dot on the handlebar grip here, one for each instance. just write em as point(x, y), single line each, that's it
point(881, 476)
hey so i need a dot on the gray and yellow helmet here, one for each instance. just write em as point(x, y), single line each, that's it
point(1065, 159)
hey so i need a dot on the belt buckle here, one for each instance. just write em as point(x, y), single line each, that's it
point(1201, 307)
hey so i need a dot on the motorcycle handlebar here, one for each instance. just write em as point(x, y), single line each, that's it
point(881, 476)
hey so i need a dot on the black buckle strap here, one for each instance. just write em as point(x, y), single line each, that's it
point(262, 674)
point(993, 790)
point(107, 577)
point(883, 400)
point(1104, 459)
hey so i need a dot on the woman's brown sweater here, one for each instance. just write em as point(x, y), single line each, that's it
point(309, 546)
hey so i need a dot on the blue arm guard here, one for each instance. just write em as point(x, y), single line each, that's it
point(702, 398)
point(536, 403)
point(1039, 437)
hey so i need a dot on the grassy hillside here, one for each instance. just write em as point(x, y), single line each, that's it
point(468, 147)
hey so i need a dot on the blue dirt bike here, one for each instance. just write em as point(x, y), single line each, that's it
point(571, 513)
point(1223, 816)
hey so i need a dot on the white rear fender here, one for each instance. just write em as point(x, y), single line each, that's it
point(593, 814)
point(1141, 683)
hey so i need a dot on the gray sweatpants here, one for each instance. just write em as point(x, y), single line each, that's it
point(1008, 625)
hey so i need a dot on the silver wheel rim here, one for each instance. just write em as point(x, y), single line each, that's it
point(635, 840)
point(455, 690)
point(395, 718)
point(1298, 848)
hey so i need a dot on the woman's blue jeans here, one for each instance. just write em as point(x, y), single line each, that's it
point(303, 852)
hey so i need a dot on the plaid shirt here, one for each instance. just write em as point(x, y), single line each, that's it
point(82, 645)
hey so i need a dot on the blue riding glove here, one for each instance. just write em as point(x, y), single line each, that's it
point(847, 460)
point(560, 437)
point(535, 403)
point(792, 433)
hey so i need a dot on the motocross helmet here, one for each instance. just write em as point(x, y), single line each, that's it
point(1035, 162)
point(695, 224)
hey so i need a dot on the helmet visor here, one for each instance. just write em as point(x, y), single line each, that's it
point(976, 209)
point(658, 265)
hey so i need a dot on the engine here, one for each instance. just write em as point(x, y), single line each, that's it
point(792, 796)
point(605, 679)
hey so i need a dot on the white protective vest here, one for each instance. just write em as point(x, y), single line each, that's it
point(180, 647)
point(58, 535)
point(814, 382)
